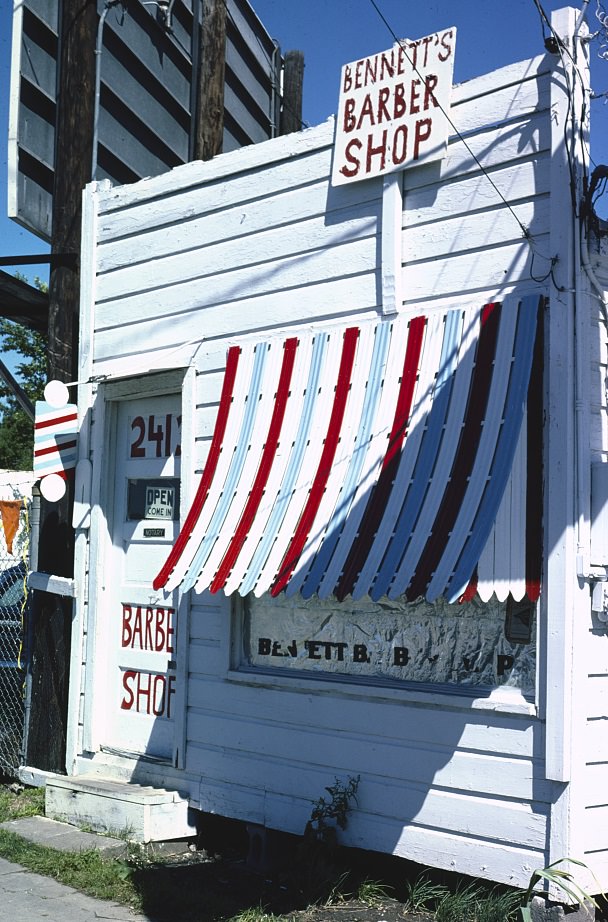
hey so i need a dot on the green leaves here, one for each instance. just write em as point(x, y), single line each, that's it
point(563, 880)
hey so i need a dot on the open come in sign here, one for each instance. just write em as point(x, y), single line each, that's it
point(394, 108)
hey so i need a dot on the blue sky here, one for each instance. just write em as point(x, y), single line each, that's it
point(331, 33)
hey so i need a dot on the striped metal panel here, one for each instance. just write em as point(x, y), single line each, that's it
point(147, 101)
point(55, 438)
point(387, 459)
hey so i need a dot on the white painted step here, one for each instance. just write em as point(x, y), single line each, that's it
point(132, 811)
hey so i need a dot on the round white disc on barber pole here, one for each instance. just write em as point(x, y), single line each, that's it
point(56, 394)
point(52, 487)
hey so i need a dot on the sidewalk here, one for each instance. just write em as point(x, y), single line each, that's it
point(29, 897)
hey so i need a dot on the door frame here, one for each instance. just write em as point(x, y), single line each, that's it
point(109, 396)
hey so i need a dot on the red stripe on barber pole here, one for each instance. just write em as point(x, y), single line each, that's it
point(55, 420)
point(62, 446)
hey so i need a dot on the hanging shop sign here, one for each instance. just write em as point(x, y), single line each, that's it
point(394, 108)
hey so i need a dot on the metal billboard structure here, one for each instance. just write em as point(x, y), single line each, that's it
point(147, 103)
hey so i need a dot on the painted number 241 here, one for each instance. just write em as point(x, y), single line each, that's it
point(153, 436)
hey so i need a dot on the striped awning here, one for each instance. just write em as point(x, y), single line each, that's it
point(373, 460)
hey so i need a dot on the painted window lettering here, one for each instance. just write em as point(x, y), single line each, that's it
point(155, 436)
point(148, 693)
point(148, 628)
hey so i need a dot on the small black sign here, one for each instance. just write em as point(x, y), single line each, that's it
point(154, 532)
point(154, 498)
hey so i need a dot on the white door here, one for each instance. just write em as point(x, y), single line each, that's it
point(137, 627)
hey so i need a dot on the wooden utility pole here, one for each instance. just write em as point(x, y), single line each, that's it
point(293, 80)
point(210, 100)
point(52, 615)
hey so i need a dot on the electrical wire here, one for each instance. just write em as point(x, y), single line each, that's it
point(525, 231)
point(570, 112)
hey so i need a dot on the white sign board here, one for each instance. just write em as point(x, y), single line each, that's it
point(394, 108)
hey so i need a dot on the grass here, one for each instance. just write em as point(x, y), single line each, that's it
point(372, 892)
point(222, 891)
point(17, 801)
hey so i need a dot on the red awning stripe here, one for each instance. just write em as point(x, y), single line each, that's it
point(465, 457)
point(202, 492)
point(379, 496)
point(268, 455)
point(349, 462)
point(294, 550)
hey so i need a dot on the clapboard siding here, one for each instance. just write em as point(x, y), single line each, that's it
point(253, 228)
point(258, 241)
point(153, 285)
point(228, 255)
point(594, 786)
point(339, 706)
point(392, 760)
point(453, 812)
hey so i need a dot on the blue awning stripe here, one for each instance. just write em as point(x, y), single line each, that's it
point(466, 374)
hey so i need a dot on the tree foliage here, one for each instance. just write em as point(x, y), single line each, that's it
point(16, 427)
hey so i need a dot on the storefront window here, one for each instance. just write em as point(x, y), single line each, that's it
point(463, 645)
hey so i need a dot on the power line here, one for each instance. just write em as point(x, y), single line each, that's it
point(525, 231)
point(523, 228)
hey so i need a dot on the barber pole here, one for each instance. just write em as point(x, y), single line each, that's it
point(55, 443)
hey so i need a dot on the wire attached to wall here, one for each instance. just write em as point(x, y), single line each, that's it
point(558, 45)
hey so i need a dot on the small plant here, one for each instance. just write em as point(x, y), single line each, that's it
point(563, 880)
point(326, 815)
point(423, 894)
point(372, 892)
point(467, 903)
point(254, 914)
point(459, 905)
point(321, 877)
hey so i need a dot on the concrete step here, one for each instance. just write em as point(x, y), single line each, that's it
point(117, 808)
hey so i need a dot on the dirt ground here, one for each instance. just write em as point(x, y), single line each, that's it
point(224, 878)
point(199, 888)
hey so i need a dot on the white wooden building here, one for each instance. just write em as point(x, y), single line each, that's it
point(309, 623)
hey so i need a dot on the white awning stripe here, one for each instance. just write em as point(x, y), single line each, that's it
point(370, 460)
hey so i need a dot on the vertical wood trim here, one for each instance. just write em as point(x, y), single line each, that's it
point(558, 600)
point(95, 709)
point(85, 404)
point(188, 443)
point(392, 247)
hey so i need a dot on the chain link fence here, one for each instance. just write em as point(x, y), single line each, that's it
point(15, 509)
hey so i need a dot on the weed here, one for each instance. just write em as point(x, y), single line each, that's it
point(320, 877)
point(372, 892)
point(498, 906)
point(254, 914)
point(87, 871)
point(422, 894)
point(327, 815)
point(459, 905)
point(17, 801)
point(563, 880)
